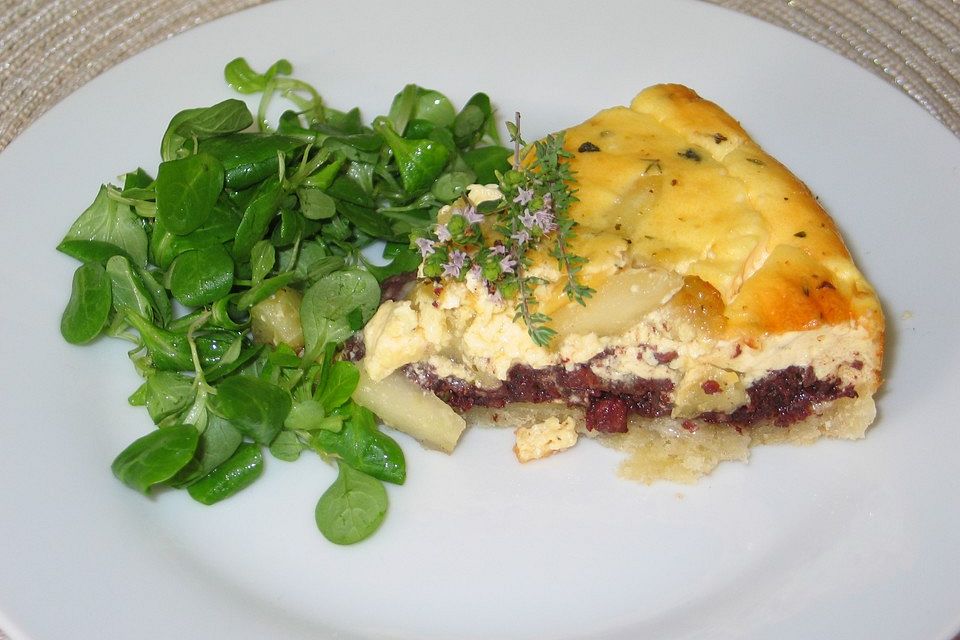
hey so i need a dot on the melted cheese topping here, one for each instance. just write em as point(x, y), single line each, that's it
point(683, 183)
point(732, 265)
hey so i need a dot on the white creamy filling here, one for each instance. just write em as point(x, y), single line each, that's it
point(545, 438)
point(464, 332)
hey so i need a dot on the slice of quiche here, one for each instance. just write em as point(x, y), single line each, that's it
point(726, 311)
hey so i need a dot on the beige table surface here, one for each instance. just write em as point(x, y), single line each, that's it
point(49, 48)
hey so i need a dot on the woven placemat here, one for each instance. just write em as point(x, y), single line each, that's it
point(49, 48)
point(915, 44)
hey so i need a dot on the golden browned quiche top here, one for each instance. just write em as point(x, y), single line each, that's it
point(679, 180)
point(724, 295)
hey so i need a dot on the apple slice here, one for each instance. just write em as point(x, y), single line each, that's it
point(619, 303)
point(403, 405)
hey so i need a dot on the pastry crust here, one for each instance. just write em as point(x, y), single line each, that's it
point(722, 289)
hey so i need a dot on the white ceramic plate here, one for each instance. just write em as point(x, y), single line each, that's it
point(853, 540)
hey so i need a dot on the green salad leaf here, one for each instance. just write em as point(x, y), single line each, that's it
point(252, 221)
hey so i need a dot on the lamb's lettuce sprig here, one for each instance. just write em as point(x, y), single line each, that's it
point(242, 211)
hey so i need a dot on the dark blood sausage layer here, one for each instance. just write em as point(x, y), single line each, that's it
point(784, 396)
point(607, 403)
point(395, 287)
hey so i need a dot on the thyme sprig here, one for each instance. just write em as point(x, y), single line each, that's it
point(556, 176)
point(533, 210)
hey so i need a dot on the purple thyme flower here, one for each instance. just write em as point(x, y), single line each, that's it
point(443, 234)
point(523, 196)
point(453, 267)
point(522, 236)
point(528, 219)
point(476, 271)
point(471, 215)
point(507, 263)
point(499, 249)
point(545, 220)
point(426, 247)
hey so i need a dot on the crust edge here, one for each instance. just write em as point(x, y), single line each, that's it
point(663, 449)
